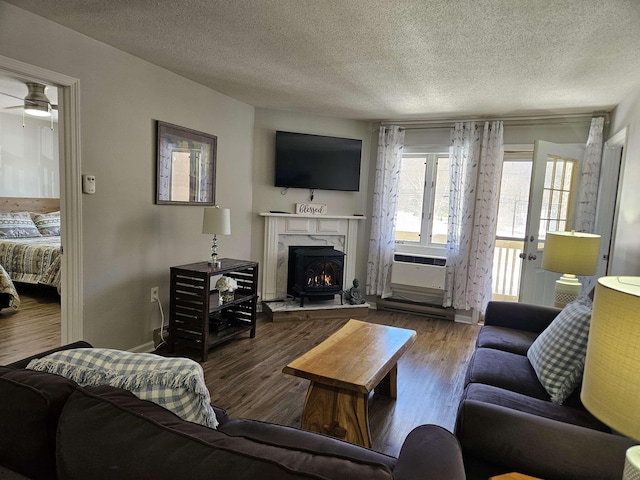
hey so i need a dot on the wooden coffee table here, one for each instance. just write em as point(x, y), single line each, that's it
point(344, 370)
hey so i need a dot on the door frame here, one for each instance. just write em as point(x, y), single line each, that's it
point(612, 146)
point(71, 296)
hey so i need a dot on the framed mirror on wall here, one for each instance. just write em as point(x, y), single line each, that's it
point(186, 166)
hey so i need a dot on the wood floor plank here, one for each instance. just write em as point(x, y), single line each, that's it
point(33, 328)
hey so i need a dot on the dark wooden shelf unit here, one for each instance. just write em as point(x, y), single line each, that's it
point(195, 318)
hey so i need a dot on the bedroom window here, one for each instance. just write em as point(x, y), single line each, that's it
point(423, 199)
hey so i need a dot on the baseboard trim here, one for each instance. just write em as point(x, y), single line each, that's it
point(144, 348)
point(414, 307)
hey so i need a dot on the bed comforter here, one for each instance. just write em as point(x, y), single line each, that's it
point(8, 294)
point(32, 260)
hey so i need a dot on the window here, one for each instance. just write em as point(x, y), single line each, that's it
point(423, 199)
point(557, 195)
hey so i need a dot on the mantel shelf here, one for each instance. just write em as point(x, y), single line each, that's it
point(308, 215)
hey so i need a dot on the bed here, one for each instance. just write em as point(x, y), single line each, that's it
point(29, 245)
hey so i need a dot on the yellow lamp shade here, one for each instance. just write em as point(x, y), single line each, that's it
point(611, 383)
point(571, 252)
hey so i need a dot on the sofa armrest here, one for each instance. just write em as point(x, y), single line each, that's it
point(25, 361)
point(538, 446)
point(521, 316)
point(430, 452)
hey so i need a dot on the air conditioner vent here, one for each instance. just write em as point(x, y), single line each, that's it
point(423, 260)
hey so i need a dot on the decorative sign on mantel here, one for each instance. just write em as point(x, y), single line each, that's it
point(311, 208)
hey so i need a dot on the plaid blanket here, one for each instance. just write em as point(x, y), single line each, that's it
point(7, 288)
point(175, 383)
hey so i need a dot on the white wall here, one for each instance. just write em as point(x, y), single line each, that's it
point(28, 157)
point(625, 259)
point(267, 197)
point(129, 242)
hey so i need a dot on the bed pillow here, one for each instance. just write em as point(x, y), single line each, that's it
point(48, 224)
point(559, 352)
point(17, 225)
point(175, 383)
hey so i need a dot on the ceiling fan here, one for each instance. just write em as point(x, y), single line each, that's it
point(36, 102)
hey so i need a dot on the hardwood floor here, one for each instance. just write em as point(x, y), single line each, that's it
point(33, 328)
point(245, 375)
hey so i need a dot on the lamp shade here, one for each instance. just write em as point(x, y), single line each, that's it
point(611, 383)
point(216, 221)
point(632, 464)
point(571, 252)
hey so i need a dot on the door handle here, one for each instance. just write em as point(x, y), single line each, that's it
point(522, 255)
point(532, 257)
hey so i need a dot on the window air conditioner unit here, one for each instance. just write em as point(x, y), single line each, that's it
point(418, 271)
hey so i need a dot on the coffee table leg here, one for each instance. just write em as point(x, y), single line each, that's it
point(337, 412)
point(389, 384)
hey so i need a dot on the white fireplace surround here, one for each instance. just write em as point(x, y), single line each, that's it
point(284, 230)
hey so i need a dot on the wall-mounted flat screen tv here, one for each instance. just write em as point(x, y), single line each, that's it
point(317, 162)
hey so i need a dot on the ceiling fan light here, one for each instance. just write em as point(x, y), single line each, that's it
point(36, 103)
point(36, 110)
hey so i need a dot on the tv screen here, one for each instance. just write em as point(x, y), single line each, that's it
point(318, 162)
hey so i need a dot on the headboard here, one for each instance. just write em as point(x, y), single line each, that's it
point(36, 205)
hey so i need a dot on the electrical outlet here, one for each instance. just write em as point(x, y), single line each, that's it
point(154, 294)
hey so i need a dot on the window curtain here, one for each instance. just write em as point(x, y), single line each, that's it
point(385, 201)
point(585, 220)
point(475, 169)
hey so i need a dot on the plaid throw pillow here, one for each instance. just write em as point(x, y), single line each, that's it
point(558, 354)
point(175, 383)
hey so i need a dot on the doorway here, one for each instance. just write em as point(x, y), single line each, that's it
point(30, 182)
point(71, 298)
point(537, 196)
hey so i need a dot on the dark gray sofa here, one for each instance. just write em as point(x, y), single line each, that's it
point(52, 428)
point(506, 421)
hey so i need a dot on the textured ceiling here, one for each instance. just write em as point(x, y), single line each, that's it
point(373, 59)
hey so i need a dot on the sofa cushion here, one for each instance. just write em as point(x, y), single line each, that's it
point(535, 406)
point(175, 383)
point(507, 339)
point(107, 433)
point(505, 370)
point(288, 437)
point(29, 412)
point(558, 354)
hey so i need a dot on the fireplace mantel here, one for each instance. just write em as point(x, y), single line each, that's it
point(283, 230)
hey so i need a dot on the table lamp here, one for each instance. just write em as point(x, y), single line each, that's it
point(570, 253)
point(216, 221)
point(611, 381)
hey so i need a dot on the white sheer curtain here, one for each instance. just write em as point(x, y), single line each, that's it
point(385, 201)
point(475, 169)
point(585, 220)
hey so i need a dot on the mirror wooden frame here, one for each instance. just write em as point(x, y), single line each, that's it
point(192, 153)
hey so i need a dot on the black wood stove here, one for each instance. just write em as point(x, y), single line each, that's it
point(315, 272)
